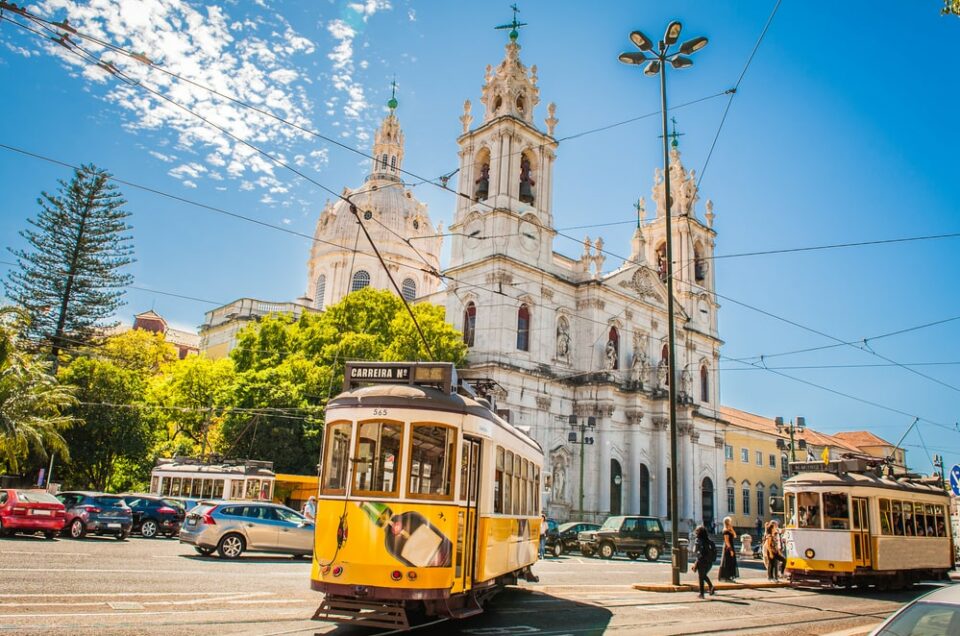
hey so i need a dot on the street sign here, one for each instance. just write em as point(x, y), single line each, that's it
point(955, 480)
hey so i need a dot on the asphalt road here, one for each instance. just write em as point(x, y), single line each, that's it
point(105, 587)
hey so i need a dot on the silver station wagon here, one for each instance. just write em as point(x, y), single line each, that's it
point(234, 527)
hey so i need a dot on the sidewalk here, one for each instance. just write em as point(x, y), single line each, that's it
point(752, 576)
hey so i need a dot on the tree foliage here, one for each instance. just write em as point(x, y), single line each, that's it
point(70, 280)
point(951, 7)
point(32, 402)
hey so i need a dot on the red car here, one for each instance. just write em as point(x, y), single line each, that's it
point(30, 511)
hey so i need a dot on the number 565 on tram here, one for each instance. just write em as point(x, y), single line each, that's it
point(429, 502)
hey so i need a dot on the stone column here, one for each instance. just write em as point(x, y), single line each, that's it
point(604, 438)
point(661, 443)
point(634, 417)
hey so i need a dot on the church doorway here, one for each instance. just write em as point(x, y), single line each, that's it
point(706, 497)
point(644, 490)
point(616, 487)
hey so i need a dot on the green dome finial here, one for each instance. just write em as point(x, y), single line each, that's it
point(392, 103)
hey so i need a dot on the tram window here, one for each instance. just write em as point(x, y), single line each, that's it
point(464, 465)
point(377, 457)
point(165, 486)
point(253, 489)
point(908, 528)
point(789, 509)
point(517, 489)
point(941, 527)
point(431, 454)
point(336, 456)
point(507, 482)
point(886, 522)
point(536, 489)
point(897, 519)
point(236, 489)
point(836, 511)
point(175, 487)
point(808, 510)
point(920, 519)
point(197, 490)
point(217, 489)
point(498, 483)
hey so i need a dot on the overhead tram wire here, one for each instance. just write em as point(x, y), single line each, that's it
point(114, 70)
point(733, 91)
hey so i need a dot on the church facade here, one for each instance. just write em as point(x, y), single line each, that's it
point(572, 352)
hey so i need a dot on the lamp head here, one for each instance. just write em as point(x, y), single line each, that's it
point(681, 61)
point(801, 423)
point(778, 421)
point(694, 45)
point(632, 58)
point(672, 33)
point(653, 68)
point(641, 41)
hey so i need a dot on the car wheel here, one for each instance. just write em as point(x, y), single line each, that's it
point(633, 555)
point(203, 551)
point(50, 534)
point(149, 528)
point(652, 553)
point(607, 550)
point(77, 529)
point(231, 546)
point(3, 531)
point(557, 549)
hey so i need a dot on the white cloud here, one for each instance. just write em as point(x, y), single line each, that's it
point(19, 50)
point(162, 157)
point(189, 184)
point(286, 221)
point(412, 15)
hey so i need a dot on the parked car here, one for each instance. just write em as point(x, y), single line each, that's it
point(232, 528)
point(187, 503)
point(632, 535)
point(97, 513)
point(565, 537)
point(934, 614)
point(30, 511)
point(153, 515)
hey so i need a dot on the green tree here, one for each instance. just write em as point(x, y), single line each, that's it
point(951, 7)
point(70, 280)
point(31, 400)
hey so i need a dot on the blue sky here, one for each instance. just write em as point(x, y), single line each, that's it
point(843, 130)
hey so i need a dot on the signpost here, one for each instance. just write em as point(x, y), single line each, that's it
point(955, 480)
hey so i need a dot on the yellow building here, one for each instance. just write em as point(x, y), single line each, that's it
point(218, 334)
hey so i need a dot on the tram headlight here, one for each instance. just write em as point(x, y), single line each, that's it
point(809, 553)
point(337, 571)
point(412, 575)
point(396, 575)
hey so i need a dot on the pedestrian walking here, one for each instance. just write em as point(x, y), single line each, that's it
point(310, 508)
point(544, 528)
point(728, 559)
point(772, 554)
point(760, 529)
point(706, 551)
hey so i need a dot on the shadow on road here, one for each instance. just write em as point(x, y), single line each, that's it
point(246, 558)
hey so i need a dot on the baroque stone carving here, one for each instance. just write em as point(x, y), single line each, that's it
point(634, 416)
point(563, 339)
point(642, 284)
point(543, 402)
point(590, 303)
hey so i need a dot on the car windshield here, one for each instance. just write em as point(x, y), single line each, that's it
point(566, 526)
point(36, 497)
point(927, 619)
point(110, 502)
point(612, 523)
point(174, 504)
point(289, 515)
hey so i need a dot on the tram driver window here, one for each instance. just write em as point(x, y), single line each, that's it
point(431, 459)
point(336, 456)
point(808, 510)
point(836, 511)
point(886, 521)
point(897, 519)
point(941, 527)
point(377, 457)
point(498, 483)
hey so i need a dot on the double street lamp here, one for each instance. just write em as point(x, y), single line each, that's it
point(655, 63)
point(578, 435)
point(795, 427)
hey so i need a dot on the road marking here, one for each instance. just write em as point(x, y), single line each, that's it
point(305, 566)
point(88, 594)
point(48, 553)
point(153, 613)
point(126, 606)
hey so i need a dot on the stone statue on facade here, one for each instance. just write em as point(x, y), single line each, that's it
point(663, 370)
point(639, 366)
point(563, 341)
point(686, 381)
point(610, 354)
point(559, 482)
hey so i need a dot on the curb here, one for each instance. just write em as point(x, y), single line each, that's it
point(694, 587)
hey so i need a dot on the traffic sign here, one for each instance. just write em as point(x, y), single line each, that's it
point(955, 480)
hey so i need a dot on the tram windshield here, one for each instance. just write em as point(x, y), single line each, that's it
point(336, 456)
point(431, 460)
point(377, 457)
point(808, 510)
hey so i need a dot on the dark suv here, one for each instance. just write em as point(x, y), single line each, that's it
point(95, 512)
point(632, 535)
point(153, 515)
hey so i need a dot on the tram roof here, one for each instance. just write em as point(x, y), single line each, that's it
point(869, 480)
point(427, 398)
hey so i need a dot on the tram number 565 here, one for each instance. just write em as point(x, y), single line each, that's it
point(379, 412)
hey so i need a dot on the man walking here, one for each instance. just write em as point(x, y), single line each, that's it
point(706, 551)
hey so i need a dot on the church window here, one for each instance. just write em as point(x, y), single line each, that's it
point(520, 104)
point(612, 352)
point(320, 291)
point(360, 280)
point(393, 163)
point(761, 498)
point(409, 288)
point(523, 328)
point(704, 384)
point(662, 262)
point(469, 323)
point(527, 181)
point(665, 363)
point(383, 161)
point(731, 497)
point(497, 103)
point(699, 265)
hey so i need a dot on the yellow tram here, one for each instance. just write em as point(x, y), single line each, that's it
point(846, 524)
point(428, 501)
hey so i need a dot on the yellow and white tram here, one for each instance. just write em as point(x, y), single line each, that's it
point(428, 500)
point(848, 525)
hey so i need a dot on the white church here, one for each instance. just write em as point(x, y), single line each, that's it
point(570, 350)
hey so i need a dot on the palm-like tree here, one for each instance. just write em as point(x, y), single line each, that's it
point(31, 399)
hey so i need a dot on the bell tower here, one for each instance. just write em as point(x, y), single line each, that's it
point(506, 167)
point(388, 144)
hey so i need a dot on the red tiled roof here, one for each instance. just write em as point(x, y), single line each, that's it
point(753, 422)
point(861, 439)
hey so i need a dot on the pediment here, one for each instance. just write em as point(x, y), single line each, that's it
point(645, 284)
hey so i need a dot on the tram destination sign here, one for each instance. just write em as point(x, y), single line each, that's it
point(836, 467)
point(439, 374)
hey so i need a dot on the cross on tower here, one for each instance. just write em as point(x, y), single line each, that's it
point(393, 94)
point(514, 25)
point(673, 135)
point(640, 210)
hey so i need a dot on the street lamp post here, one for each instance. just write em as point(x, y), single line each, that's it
point(656, 64)
point(578, 435)
point(795, 426)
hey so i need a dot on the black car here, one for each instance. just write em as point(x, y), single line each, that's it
point(153, 515)
point(564, 537)
point(96, 513)
point(633, 535)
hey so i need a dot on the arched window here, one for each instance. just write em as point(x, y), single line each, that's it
point(731, 497)
point(745, 488)
point(644, 490)
point(383, 161)
point(704, 384)
point(409, 289)
point(320, 291)
point(761, 499)
point(612, 352)
point(665, 362)
point(469, 323)
point(699, 265)
point(393, 163)
point(361, 279)
point(523, 328)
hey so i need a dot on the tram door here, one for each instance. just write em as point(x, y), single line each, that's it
point(861, 533)
point(471, 460)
